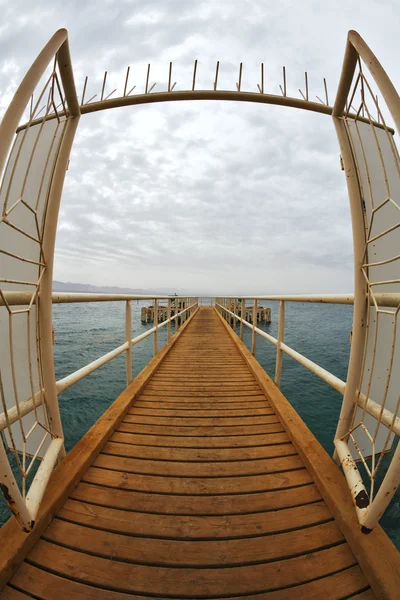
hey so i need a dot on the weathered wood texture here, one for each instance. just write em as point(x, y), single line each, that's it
point(198, 493)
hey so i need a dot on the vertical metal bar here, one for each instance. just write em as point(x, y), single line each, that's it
point(49, 238)
point(156, 326)
point(128, 337)
point(169, 320)
point(243, 315)
point(281, 333)
point(358, 226)
point(253, 335)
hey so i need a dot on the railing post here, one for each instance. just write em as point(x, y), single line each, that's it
point(169, 320)
point(234, 312)
point(156, 326)
point(253, 336)
point(243, 315)
point(128, 337)
point(281, 332)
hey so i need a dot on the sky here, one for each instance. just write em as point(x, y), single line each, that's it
point(203, 197)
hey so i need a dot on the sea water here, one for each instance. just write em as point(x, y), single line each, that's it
point(321, 332)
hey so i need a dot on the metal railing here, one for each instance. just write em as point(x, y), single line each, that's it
point(233, 309)
point(12, 419)
point(173, 302)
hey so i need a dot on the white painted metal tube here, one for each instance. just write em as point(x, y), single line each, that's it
point(253, 335)
point(12, 494)
point(155, 320)
point(325, 375)
point(66, 382)
point(379, 74)
point(24, 408)
point(372, 408)
point(128, 337)
point(69, 380)
point(169, 320)
point(45, 289)
point(39, 483)
point(358, 492)
point(24, 298)
point(281, 332)
point(322, 373)
point(385, 493)
point(17, 106)
point(242, 316)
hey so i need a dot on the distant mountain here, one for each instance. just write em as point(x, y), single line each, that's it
point(61, 286)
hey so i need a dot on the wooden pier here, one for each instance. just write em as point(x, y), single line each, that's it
point(147, 312)
point(200, 481)
point(262, 313)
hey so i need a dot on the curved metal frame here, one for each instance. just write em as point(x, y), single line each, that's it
point(26, 510)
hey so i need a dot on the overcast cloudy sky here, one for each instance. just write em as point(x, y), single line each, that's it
point(208, 197)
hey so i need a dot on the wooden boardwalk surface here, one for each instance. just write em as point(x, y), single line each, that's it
point(198, 493)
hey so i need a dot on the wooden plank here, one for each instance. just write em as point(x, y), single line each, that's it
point(220, 401)
point(204, 413)
point(199, 505)
point(200, 431)
point(172, 377)
point(196, 454)
point(206, 422)
point(194, 527)
point(14, 543)
point(377, 556)
point(123, 577)
point(10, 593)
point(48, 586)
point(196, 486)
point(212, 371)
point(232, 393)
point(203, 385)
point(189, 553)
point(229, 441)
point(212, 362)
point(335, 587)
point(165, 468)
point(216, 407)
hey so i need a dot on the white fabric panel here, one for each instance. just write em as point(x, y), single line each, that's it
point(378, 170)
point(27, 175)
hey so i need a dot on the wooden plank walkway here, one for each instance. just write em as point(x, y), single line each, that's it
point(198, 493)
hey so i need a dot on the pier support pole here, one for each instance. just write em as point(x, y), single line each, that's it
point(281, 331)
point(156, 327)
point(254, 335)
point(128, 337)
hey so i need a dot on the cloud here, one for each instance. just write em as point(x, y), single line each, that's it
point(208, 196)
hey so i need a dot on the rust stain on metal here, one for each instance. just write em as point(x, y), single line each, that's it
point(12, 505)
point(7, 495)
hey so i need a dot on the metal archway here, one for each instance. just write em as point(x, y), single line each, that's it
point(33, 159)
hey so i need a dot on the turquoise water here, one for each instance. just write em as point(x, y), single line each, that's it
point(321, 332)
